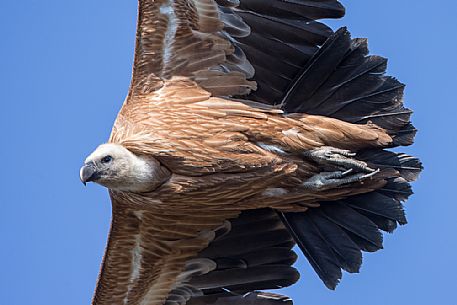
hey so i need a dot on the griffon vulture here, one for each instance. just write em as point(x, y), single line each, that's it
point(249, 128)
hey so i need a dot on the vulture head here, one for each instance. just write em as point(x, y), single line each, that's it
point(117, 168)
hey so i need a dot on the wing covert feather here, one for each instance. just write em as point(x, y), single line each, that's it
point(183, 38)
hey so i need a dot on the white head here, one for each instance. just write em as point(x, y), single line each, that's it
point(117, 168)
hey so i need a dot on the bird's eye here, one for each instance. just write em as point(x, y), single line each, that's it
point(107, 159)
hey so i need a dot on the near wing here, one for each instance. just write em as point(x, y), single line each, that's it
point(177, 258)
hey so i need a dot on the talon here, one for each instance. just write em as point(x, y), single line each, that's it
point(348, 172)
point(374, 172)
point(339, 158)
point(328, 180)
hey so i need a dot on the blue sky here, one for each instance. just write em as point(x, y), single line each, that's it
point(64, 72)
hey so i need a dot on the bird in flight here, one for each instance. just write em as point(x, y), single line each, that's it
point(249, 127)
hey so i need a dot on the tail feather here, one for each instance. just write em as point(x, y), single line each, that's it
point(404, 136)
point(397, 188)
point(378, 204)
point(347, 252)
point(384, 224)
point(363, 244)
point(333, 236)
point(354, 222)
point(408, 167)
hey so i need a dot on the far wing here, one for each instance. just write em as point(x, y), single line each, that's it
point(220, 44)
point(185, 38)
point(190, 50)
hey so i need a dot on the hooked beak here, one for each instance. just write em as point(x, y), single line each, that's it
point(88, 172)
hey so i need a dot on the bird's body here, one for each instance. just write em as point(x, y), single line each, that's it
point(223, 157)
point(213, 144)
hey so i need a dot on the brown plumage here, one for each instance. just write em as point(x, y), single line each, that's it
point(212, 152)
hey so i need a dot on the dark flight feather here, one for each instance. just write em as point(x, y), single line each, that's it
point(343, 81)
point(353, 222)
point(253, 298)
point(256, 253)
point(313, 245)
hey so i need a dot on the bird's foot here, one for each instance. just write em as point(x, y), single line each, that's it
point(330, 180)
point(337, 158)
point(340, 168)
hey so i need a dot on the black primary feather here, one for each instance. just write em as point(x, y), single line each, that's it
point(342, 81)
point(253, 253)
point(284, 36)
point(314, 246)
point(252, 298)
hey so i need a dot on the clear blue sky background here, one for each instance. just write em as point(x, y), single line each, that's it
point(64, 71)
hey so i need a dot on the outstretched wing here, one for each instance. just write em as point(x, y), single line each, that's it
point(220, 44)
point(174, 257)
point(193, 49)
point(147, 250)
